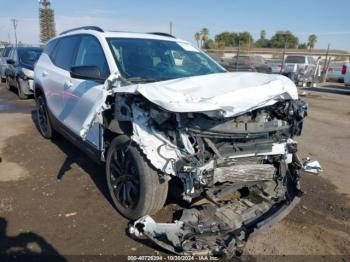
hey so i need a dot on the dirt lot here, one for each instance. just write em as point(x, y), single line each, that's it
point(54, 200)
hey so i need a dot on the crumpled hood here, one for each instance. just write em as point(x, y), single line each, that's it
point(231, 93)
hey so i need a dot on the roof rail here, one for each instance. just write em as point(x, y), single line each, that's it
point(95, 28)
point(162, 34)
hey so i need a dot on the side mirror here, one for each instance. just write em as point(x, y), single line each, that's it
point(86, 72)
point(10, 61)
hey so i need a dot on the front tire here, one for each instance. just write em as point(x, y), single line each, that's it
point(135, 187)
point(8, 86)
point(21, 94)
point(43, 119)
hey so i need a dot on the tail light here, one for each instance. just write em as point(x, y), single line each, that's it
point(280, 66)
point(305, 67)
point(343, 70)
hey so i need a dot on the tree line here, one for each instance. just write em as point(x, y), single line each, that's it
point(280, 39)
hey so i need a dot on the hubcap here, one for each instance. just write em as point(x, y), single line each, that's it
point(124, 179)
point(42, 116)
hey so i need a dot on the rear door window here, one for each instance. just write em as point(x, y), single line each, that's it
point(64, 53)
point(49, 48)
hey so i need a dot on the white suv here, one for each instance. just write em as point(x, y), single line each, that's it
point(154, 108)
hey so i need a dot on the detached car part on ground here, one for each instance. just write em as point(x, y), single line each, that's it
point(169, 112)
point(228, 138)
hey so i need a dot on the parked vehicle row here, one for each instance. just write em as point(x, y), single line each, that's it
point(153, 108)
point(3, 62)
point(247, 63)
point(17, 68)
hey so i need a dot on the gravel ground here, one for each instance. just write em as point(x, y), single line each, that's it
point(54, 200)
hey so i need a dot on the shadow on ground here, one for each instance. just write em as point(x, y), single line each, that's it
point(25, 247)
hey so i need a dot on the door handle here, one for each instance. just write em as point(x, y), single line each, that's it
point(44, 73)
point(68, 84)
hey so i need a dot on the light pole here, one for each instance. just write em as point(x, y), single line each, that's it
point(15, 23)
point(284, 53)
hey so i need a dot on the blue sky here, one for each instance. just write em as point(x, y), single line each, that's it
point(329, 20)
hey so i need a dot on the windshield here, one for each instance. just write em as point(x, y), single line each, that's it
point(156, 60)
point(29, 55)
point(295, 59)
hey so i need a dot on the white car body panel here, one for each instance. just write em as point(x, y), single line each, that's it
point(231, 93)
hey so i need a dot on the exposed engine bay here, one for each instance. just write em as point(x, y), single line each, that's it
point(237, 164)
point(235, 172)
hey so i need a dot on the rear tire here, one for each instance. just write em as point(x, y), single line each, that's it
point(135, 187)
point(44, 124)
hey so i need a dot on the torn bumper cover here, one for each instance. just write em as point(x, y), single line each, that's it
point(188, 236)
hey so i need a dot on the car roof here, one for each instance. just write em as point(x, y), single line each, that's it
point(122, 34)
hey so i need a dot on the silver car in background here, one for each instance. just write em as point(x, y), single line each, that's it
point(275, 64)
point(300, 68)
point(335, 72)
point(3, 62)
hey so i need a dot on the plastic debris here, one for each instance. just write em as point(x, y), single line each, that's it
point(312, 166)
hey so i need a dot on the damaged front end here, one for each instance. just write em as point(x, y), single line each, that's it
point(238, 173)
point(228, 138)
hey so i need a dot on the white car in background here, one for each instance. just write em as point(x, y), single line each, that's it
point(335, 72)
point(346, 73)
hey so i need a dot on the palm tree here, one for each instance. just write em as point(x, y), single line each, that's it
point(312, 41)
point(197, 36)
point(262, 34)
point(205, 35)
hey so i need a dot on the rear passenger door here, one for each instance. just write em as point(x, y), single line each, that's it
point(81, 97)
point(56, 74)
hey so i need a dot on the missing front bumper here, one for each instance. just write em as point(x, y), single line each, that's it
point(210, 230)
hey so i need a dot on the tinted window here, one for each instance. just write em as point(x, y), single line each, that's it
point(295, 59)
point(11, 54)
point(6, 52)
point(29, 55)
point(90, 53)
point(50, 47)
point(63, 55)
